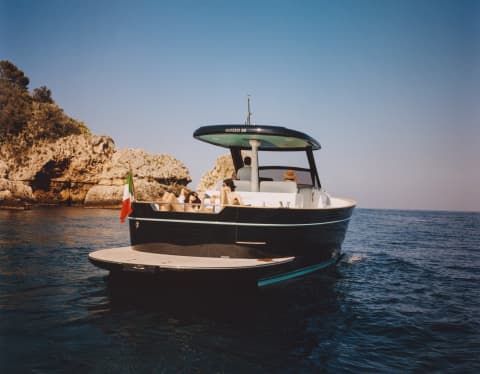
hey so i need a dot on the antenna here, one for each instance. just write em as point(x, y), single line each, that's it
point(249, 115)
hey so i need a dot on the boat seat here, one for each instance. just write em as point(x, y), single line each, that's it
point(278, 186)
point(271, 199)
point(242, 185)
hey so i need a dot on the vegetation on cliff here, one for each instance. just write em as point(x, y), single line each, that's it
point(26, 117)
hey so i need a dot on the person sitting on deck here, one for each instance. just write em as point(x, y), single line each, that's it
point(290, 175)
point(228, 195)
point(245, 172)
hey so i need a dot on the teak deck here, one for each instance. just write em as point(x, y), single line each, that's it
point(130, 256)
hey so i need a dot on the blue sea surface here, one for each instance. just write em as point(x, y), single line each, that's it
point(405, 298)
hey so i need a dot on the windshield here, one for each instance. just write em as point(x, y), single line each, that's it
point(277, 173)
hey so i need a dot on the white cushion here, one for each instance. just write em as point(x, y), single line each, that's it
point(270, 199)
point(283, 186)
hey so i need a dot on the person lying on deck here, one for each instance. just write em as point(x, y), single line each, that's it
point(193, 203)
point(183, 195)
point(228, 195)
point(170, 202)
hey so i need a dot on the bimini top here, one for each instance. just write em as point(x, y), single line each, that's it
point(272, 138)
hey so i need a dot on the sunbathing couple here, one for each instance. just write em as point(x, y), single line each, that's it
point(186, 201)
point(191, 201)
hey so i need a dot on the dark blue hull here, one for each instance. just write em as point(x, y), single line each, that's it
point(312, 236)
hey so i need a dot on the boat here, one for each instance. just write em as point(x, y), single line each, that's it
point(284, 230)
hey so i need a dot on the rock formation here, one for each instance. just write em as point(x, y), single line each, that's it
point(223, 169)
point(48, 157)
point(83, 169)
point(12, 192)
point(151, 173)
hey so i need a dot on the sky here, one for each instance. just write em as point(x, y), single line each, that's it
point(390, 89)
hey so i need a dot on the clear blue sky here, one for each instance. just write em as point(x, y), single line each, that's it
point(390, 88)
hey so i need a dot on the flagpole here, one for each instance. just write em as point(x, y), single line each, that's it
point(131, 176)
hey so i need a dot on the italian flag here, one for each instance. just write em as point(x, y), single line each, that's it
point(127, 198)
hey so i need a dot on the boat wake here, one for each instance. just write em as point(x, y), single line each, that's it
point(353, 258)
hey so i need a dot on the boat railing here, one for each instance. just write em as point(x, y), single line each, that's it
point(186, 207)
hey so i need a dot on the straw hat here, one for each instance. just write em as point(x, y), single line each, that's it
point(290, 175)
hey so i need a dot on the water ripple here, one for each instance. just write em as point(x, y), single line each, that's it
point(403, 299)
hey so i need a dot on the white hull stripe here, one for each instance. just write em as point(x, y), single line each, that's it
point(295, 273)
point(238, 223)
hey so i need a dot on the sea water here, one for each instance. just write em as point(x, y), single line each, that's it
point(405, 298)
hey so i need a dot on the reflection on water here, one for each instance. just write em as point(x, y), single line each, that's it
point(397, 302)
point(217, 329)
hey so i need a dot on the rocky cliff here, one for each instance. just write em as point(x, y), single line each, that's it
point(222, 169)
point(48, 157)
point(83, 170)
